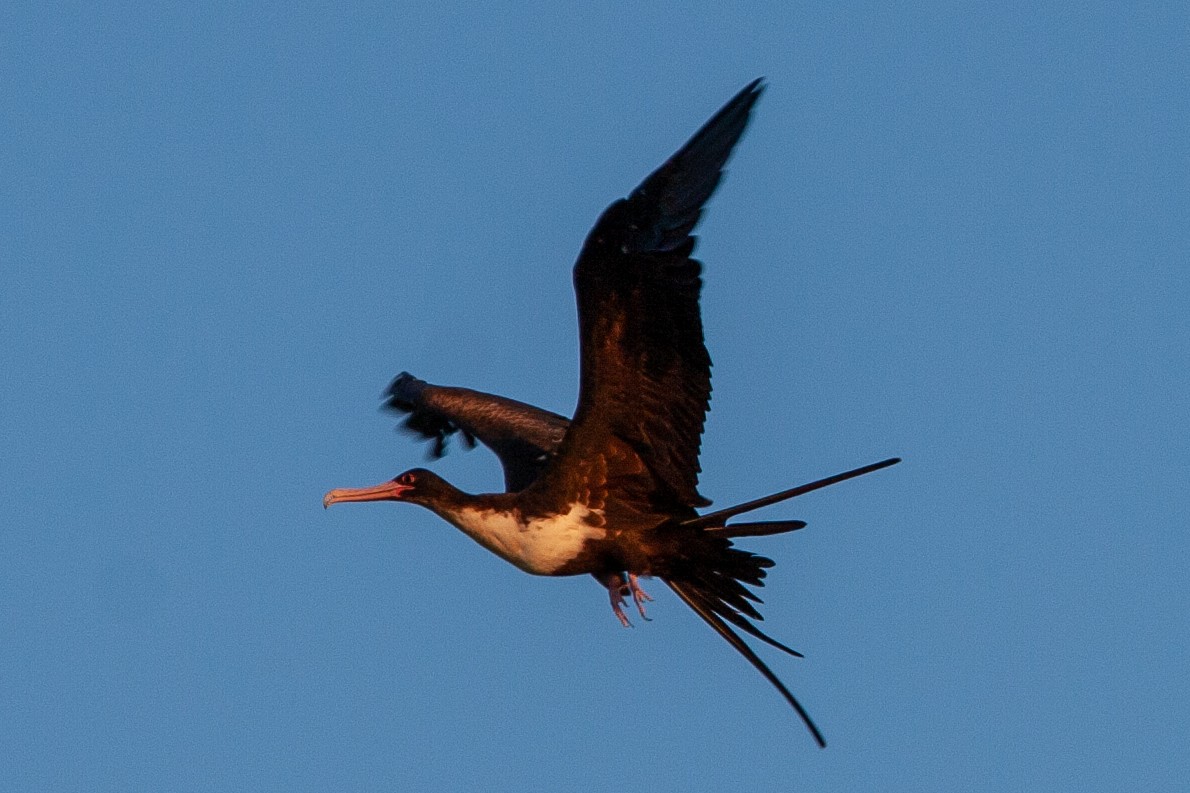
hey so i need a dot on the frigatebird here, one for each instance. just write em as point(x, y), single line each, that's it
point(613, 492)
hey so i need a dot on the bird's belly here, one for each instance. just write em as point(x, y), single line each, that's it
point(541, 546)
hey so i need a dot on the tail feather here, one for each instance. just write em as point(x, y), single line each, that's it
point(705, 607)
point(717, 605)
point(709, 574)
point(739, 602)
point(760, 528)
point(718, 574)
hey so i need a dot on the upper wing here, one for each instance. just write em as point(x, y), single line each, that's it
point(524, 437)
point(645, 379)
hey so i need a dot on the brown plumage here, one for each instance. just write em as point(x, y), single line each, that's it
point(524, 437)
point(614, 492)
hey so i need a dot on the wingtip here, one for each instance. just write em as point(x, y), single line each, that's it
point(753, 91)
point(404, 388)
point(748, 96)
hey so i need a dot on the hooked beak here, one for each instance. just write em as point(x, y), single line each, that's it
point(389, 491)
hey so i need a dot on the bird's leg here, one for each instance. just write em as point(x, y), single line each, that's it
point(617, 587)
point(620, 586)
point(639, 596)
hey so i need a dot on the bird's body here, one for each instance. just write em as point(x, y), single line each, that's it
point(614, 491)
point(539, 544)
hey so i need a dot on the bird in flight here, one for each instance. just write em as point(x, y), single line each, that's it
point(613, 492)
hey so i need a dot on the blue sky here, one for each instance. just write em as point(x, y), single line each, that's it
point(954, 232)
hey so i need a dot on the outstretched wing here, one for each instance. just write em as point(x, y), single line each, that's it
point(645, 379)
point(524, 437)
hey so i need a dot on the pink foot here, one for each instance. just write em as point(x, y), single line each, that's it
point(639, 596)
point(618, 588)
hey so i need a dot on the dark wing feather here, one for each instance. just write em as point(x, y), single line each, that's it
point(645, 379)
point(714, 520)
point(524, 437)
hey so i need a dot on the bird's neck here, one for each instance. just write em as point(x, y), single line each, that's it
point(466, 509)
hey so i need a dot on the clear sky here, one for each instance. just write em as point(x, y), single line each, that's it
point(955, 232)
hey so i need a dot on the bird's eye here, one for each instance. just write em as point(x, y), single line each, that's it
point(405, 479)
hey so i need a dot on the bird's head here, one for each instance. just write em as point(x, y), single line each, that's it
point(417, 486)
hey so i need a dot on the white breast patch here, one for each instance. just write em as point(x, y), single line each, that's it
point(540, 546)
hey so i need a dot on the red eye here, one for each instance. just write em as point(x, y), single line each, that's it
point(405, 479)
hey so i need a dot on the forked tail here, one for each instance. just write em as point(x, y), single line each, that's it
point(711, 578)
point(705, 608)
